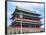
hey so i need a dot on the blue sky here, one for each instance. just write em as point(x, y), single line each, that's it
point(39, 8)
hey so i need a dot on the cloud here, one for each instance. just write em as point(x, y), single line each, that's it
point(31, 6)
point(10, 10)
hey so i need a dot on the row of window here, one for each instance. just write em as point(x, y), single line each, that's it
point(27, 17)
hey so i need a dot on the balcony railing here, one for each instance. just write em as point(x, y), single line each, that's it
point(26, 20)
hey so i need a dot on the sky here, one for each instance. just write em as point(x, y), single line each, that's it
point(11, 6)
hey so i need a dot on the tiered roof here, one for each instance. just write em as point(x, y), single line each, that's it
point(25, 12)
point(29, 16)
